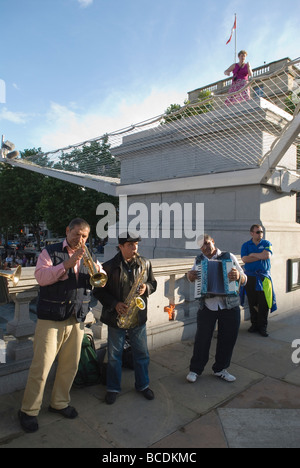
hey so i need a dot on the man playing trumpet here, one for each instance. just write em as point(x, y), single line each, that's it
point(63, 303)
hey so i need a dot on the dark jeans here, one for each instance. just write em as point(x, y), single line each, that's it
point(228, 328)
point(258, 306)
point(138, 341)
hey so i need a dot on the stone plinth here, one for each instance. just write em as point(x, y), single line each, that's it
point(21, 327)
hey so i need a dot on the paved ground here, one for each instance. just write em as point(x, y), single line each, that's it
point(260, 409)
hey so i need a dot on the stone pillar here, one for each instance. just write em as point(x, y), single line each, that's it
point(21, 327)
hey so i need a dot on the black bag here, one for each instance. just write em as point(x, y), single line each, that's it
point(90, 369)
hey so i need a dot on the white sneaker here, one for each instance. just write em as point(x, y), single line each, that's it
point(192, 377)
point(223, 374)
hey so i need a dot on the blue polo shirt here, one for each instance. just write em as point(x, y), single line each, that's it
point(263, 265)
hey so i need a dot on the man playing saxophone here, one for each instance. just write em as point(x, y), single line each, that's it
point(130, 281)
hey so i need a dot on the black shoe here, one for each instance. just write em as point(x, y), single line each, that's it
point(263, 332)
point(28, 423)
point(148, 394)
point(68, 412)
point(253, 329)
point(110, 397)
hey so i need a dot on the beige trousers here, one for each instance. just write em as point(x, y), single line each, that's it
point(53, 338)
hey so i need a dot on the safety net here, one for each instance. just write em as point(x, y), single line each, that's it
point(231, 131)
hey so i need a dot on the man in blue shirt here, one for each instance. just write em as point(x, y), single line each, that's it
point(256, 254)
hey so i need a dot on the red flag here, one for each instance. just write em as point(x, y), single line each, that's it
point(233, 27)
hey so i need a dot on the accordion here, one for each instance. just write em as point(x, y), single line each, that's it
point(213, 279)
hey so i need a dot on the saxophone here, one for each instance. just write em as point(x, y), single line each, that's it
point(133, 301)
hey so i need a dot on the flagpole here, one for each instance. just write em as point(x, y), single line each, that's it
point(235, 40)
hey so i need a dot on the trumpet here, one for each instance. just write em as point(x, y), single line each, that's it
point(97, 280)
point(13, 277)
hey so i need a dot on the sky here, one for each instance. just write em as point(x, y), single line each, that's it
point(72, 70)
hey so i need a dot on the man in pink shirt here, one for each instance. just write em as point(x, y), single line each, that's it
point(63, 302)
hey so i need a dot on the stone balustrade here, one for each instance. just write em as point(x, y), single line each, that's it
point(163, 328)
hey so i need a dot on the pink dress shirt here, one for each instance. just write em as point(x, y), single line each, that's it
point(46, 273)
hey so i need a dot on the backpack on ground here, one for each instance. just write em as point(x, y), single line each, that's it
point(90, 370)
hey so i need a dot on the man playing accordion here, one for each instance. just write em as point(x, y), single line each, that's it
point(218, 301)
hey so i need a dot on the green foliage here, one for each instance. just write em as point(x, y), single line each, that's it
point(176, 112)
point(63, 201)
point(20, 192)
point(291, 101)
point(94, 158)
point(28, 197)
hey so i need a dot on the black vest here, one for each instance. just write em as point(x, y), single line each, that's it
point(68, 297)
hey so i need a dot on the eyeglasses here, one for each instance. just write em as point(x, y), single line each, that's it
point(259, 232)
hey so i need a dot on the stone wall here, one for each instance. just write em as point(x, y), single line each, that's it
point(173, 287)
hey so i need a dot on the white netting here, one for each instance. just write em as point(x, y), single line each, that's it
point(229, 132)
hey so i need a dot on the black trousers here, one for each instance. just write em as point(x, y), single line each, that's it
point(228, 328)
point(258, 306)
